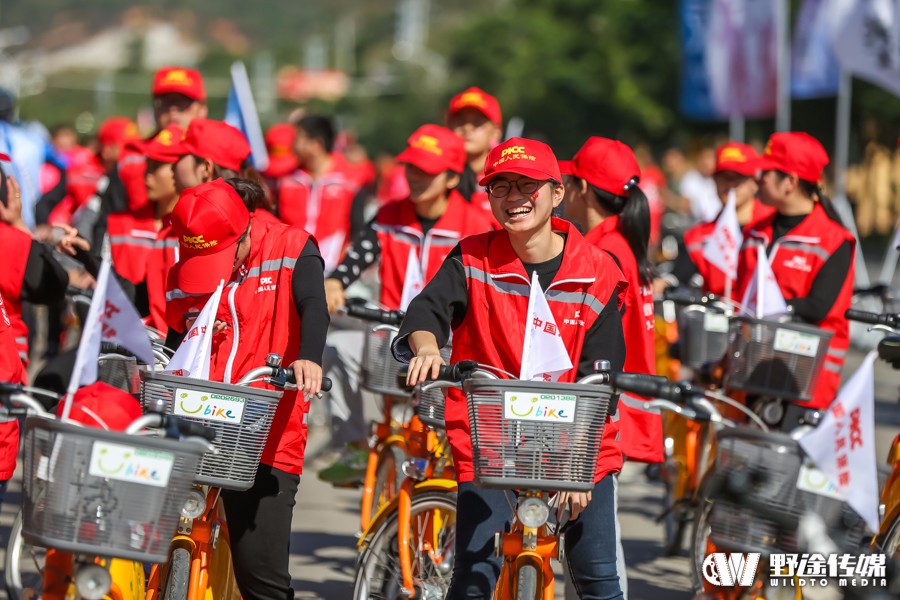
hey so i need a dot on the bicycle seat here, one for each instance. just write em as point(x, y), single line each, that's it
point(889, 350)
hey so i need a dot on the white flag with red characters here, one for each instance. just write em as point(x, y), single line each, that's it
point(544, 355)
point(192, 357)
point(413, 282)
point(843, 445)
point(763, 297)
point(111, 318)
point(721, 248)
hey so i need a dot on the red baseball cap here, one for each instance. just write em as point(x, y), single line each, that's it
point(566, 167)
point(607, 164)
point(117, 130)
point(796, 153)
point(163, 147)
point(434, 149)
point(208, 220)
point(103, 402)
point(5, 157)
point(179, 80)
point(216, 141)
point(280, 144)
point(737, 157)
point(478, 99)
point(522, 156)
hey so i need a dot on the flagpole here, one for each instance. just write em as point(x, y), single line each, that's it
point(737, 127)
point(783, 56)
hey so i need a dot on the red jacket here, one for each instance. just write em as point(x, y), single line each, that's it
point(713, 278)
point(261, 317)
point(322, 207)
point(796, 259)
point(492, 331)
point(11, 371)
point(162, 256)
point(131, 240)
point(641, 432)
point(400, 233)
point(17, 246)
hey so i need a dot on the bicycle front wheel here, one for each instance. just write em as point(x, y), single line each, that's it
point(178, 575)
point(432, 540)
point(388, 476)
point(527, 578)
point(24, 564)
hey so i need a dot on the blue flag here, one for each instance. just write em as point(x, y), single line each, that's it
point(240, 112)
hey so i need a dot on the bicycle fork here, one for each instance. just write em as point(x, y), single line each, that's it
point(528, 545)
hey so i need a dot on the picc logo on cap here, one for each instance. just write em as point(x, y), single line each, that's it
point(768, 150)
point(428, 144)
point(196, 242)
point(471, 99)
point(732, 155)
point(164, 137)
point(177, 77)
point(514, 153)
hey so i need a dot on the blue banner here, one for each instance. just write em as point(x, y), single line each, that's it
point(240, 113)
point(815, 72)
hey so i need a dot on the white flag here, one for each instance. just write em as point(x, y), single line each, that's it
point(868, 43)
point(763, 297)
point(413, 282)
point(113, 319)
point(843, 445)
point(192, 357)
point(721, 248)
point(544, 355)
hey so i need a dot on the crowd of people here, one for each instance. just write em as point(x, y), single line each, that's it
point(458, 227)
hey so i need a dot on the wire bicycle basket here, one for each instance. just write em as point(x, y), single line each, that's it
point(103, 493)
point(120, 372)
point(535, 435)
point(769, 358)
point(242, 417)
point(703, 334)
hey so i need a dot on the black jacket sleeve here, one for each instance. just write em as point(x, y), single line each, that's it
point(358, 213)
point(45, 279)
point(605, 340)
point(826, 286)
point(308, 292)
point(362, 254)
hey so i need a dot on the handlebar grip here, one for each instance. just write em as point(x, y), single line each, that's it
point(680, 296)
point(870, 317)
point(288, 375)
point(456, 371)
point(366, 313)
point(190, 428)
point(654, 386)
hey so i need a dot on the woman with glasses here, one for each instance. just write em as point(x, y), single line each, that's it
point(603, 198)
point(481, 293)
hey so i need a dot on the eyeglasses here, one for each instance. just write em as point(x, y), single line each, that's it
point(500, 188)
point(167, 102)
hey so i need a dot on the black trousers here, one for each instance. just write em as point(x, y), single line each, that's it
point(259, 523)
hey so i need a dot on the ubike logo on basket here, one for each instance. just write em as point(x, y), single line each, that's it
point(814, 481)
point(209, 406)
point(127, 463)
point(550, 408)
point(795, 342)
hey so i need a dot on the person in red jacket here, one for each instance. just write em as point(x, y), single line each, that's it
point(274, 302)
point(179, 97)
point(811, 253)
point(321, 196)
point(481, 292)
point(475, 116)
point(11, 371)
point(409, 239)
point(736, 166)
point(607, 203)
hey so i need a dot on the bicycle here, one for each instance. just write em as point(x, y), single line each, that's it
point(198, 561)
point(98, 501)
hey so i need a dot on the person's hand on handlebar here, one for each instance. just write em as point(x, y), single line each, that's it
point(308, 375)
point(426, 364)
point(334, 295)
point(577, 502)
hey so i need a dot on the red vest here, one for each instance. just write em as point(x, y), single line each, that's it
point(12, 371)
point(399, 232)
point(132, 167)
point(492, 331)
point(162, 256)
point(796, 259)
point(17, 245)
point(132, 237)
point(322, 207)
point(261, 317)
point(641, 432)
point(713, 278)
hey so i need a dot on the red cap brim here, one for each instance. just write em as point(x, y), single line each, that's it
point(200, 274)
point(566, 167)
point(765, 163)
point(423, 160)
point(536, 174)
point(5, 157)
point(747, 168)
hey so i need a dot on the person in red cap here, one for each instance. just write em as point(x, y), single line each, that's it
point(321, 197)
point(475, 116)
point(736, 167)
point(280, 145)
point(179, 96)
point(410, 239)
point(607, 203)
point(811, 253)
point(482, 292)
point(274, 302)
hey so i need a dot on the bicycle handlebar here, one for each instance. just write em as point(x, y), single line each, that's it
point(278, 376)
point(861, 316)
point(356, 308)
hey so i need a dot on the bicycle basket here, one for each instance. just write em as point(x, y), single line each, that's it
point(380, 371)
point(535, 435)
point(103, 492)
point(775, 359)
point(120, 372)
point(703, 333)
point(241, 416)
point(779, 461)
point(430, 406)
